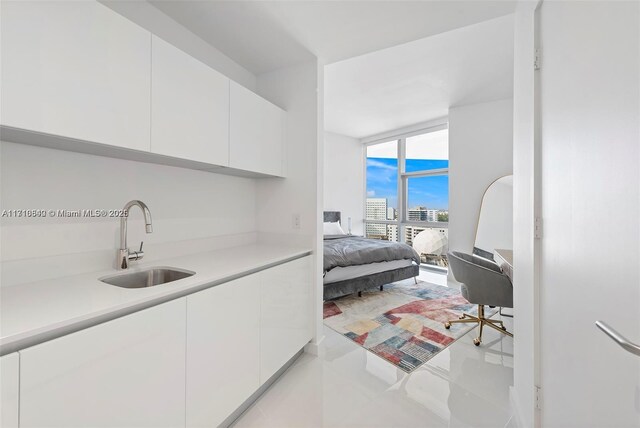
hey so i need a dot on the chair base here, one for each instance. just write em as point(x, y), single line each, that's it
point(481, 321)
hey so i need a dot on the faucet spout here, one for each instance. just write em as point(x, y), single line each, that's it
point(124, 257)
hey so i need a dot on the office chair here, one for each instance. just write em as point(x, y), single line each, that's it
point(482, 283)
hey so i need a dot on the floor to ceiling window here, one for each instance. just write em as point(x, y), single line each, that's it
point(382, 190)
point(407, 185)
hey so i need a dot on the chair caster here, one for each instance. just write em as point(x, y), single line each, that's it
point(503, 328)
point(461, 317)
point(477, 341)
point(447, 325)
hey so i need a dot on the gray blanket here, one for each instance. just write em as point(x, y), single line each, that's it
point(345, 250)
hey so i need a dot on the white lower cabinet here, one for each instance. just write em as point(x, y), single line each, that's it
point(129, 372)
point(241, 333)
point(9, 387)
point(285, 314)
point(223, 348)
point(192, 361)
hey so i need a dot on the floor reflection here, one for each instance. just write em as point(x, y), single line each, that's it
point(347, 386)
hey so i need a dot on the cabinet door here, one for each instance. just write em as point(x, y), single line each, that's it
point(189, 105)
point(256, 134)
point(223, 346)
point(285, 314)
point(75, 69)
point(129, 372)
point(9, 386)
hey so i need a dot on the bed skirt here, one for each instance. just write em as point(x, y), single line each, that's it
point(333, 290)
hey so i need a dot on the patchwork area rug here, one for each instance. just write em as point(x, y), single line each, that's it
point(404, 323)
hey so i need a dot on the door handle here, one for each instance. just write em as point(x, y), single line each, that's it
point(618, 338)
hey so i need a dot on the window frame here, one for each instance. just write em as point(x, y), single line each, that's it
point(403, 176)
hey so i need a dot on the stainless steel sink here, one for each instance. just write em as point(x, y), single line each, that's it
point(147, 277)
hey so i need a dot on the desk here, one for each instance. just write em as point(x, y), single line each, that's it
point(504, 259)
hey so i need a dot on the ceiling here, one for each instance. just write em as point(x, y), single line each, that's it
point(420, 80)
point(266, 35)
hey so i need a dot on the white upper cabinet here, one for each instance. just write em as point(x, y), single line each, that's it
point(223, 350)
point(79, 70)
point(9, 387)
point(189, 107)
point(129, 372)
point(75, 69)
point(257, 133)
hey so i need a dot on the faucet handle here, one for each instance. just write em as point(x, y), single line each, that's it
point(137, 255)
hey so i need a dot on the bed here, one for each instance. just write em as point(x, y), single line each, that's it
point(353, 264)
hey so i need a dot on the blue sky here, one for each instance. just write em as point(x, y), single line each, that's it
point(430, 192)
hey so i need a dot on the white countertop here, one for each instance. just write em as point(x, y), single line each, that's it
point(40, 311)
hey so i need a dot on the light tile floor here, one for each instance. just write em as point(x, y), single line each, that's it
point(347, 386)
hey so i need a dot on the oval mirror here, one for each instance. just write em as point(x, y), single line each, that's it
point(495, 223)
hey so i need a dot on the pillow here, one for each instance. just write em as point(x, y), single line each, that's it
point(332, 228)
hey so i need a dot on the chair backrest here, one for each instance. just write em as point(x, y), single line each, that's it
point(483, 281)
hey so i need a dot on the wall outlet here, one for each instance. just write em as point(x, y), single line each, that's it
point(295, 221)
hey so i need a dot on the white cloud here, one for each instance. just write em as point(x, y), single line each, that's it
point(371, 193)
point(382, 165)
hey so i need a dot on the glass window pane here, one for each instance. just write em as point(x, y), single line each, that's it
point(382, 181)
point(427, 151)
point(387, 232)
point(428, 198)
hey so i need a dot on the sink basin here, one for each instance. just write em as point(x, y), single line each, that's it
point(147, 278)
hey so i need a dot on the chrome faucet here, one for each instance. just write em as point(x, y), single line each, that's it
point(124, 255)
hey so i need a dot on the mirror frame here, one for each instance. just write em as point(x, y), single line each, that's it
point(475, 236)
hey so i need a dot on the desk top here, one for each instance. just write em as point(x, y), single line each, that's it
point(506, 256)
point(504, 259)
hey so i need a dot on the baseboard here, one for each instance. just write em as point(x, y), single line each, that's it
point(315, 348)
point(516, 419)
point(254, 397)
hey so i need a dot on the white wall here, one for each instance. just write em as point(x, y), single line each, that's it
point(296, 89)
point(480, 151)
point(293, 89)
point(187, 207)
point(155, 21)
point(344, 179)
point(590, 265)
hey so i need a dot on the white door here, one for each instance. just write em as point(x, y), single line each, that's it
point(590, 248)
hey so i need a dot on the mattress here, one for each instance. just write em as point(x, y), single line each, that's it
point(349, 272)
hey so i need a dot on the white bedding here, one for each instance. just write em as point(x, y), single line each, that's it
point(342, 273)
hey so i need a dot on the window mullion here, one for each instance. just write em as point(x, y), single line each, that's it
point(426, 173)
point(402, 196)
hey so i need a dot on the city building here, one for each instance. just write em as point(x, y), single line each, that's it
point(376, 209)
point(423, 214)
